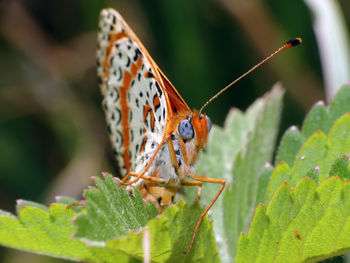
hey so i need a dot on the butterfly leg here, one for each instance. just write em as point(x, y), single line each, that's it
point(194, 183)
point(140, 175)
point(144, 177)
point(207, 180)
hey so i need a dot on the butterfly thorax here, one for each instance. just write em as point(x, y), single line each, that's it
point(185, 135)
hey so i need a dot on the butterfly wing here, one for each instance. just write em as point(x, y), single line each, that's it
point(134, 99)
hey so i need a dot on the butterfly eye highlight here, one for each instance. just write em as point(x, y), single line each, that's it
point(208, 123)
point(185, 129)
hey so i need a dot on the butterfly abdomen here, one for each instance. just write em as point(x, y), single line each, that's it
point(161, 197)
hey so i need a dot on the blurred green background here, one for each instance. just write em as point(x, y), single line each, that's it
point(52, 130)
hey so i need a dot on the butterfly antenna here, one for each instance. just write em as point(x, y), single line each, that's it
point(291, 43)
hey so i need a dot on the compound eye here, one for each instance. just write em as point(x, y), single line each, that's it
point(208, 123)
point(185, 129)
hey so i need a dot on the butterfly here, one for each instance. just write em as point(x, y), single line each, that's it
point(156, 137)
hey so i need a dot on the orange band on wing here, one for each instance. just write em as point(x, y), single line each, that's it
point(113, 38)
point(125, 110)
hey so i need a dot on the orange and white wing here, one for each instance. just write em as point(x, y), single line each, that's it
point(134, 97)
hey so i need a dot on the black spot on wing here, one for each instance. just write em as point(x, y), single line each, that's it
point(159, 89)
point(149, 74)
point(138, 52)
point(120, 73)
point(117, 110)
point(131, 135)
point(119, 139)
point(157, 105)
point(111, 60)
point(130, 116)
point(128, 62)
point(116, 92)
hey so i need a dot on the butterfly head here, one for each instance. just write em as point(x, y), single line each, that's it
point(194, 129)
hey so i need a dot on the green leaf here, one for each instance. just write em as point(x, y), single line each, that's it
point(111, 212)
point(263, 182)
point(341, 168)
point(170, 235)
point(338, 107)
point(318, 151)
point(319, 118)
point(238, 153)
point(290, 145)
point(118, 236)
point(308, 223)
point(42, 230)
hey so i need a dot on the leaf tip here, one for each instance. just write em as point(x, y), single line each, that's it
point(293, 128)
point(267, 165)
point(19, 201)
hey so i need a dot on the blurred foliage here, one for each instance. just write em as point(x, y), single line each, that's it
point(52, 130)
